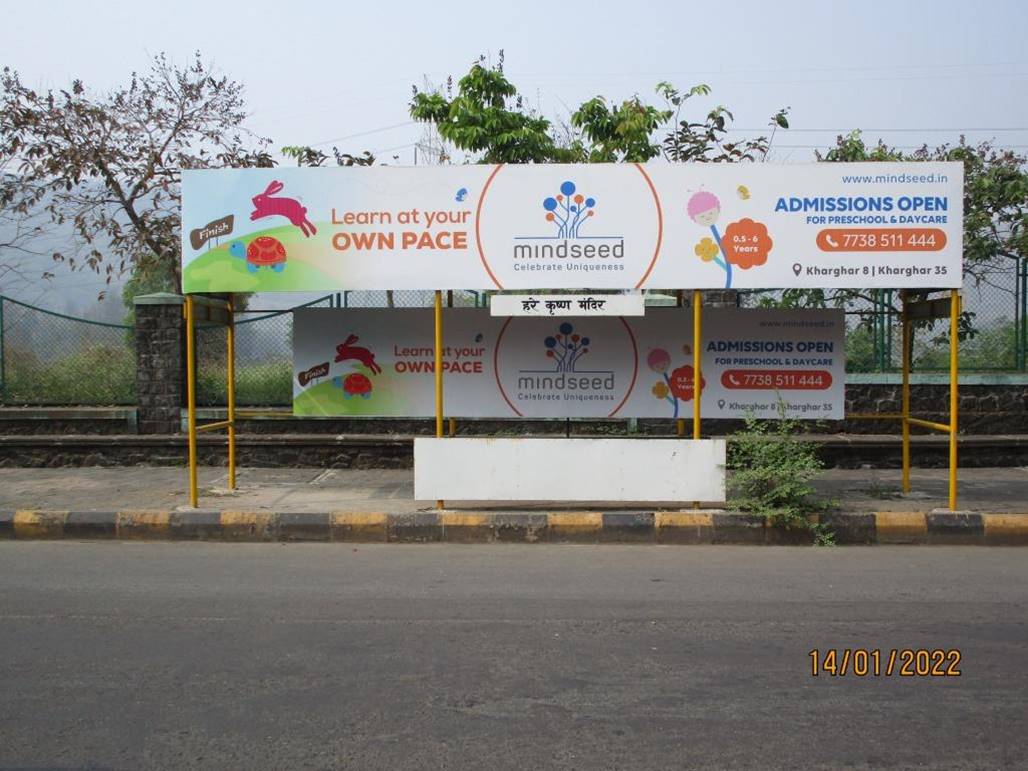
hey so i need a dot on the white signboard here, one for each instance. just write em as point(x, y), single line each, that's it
point(381, 362)
point(587, 226)
point(569, 469)
point(567, 305)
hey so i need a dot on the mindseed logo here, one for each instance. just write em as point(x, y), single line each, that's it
point(564, 380)
point(600, 227)
point(569, 212)
point(574, 371)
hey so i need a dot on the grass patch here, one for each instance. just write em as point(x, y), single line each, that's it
point(257, 385)
point(94, 375)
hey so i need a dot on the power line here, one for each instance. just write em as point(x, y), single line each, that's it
point(745, 70)
point(364, 133)
point(894, 147)
point(916, 130)
point(390, 149)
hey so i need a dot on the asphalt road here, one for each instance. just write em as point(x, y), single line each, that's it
point(131, 655)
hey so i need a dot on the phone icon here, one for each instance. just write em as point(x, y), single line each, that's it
point(831, 241)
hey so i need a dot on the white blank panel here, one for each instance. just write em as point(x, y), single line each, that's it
point(482, 469)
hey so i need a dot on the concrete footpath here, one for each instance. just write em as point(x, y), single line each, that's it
point(378, 505)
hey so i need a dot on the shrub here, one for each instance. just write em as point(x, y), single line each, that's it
point(771, 470)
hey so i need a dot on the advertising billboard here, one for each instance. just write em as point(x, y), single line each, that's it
point(582, 226)
point(381, 362)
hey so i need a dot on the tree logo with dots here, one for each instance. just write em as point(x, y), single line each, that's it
point(546, 368)
point(597, 230)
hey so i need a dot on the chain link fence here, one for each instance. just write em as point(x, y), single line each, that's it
point(51, 358)
point(995, 338)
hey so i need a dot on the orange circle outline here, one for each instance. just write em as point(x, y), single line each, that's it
point(478, 227)
point(656, 203)
point(660, 225)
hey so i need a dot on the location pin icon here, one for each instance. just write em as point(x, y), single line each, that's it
point(796, 268)
point(720, 404)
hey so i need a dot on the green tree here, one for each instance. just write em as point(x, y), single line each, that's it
point(487, 116)
point(706, 141)
point(311, 157)
point(620, 133)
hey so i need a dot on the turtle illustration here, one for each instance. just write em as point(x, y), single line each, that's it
point(354, 384)
point(263, 251)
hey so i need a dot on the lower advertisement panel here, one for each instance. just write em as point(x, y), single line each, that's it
point(644, 470)
point(381, 361)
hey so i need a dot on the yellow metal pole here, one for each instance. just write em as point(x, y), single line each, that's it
point(191, 400)
point(905, 322)
point(453, 427)
point(231, 381)
point(697, 336)
point(439, 371)
point(680, 303)
point(954, 368)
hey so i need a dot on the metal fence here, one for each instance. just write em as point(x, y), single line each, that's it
point(996, 308)
point(52, 358)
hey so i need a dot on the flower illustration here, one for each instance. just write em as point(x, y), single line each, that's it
point(706, 249)
point(658, 360)
point(704, 208)
point(748, 243)
point(681, 382)
point(675, 387)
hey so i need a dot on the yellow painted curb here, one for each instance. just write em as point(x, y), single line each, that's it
point(572, 521)
point(359, 518)
point(364, 525)
point(246, 525)
point(456, 519)
point(144, 524)
point(39, 524)
point(246, 518)
point(683, 519)
point(1007, 527)
point(900, 526)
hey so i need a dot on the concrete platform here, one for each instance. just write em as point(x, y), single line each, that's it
point(391, 490)
point(378, 505)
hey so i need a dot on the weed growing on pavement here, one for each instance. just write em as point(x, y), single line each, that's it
point(771, 468)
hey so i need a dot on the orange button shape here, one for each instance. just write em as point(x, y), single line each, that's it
point(881, 240)
point(777, 379)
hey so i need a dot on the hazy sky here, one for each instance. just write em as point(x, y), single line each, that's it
point(319, 71)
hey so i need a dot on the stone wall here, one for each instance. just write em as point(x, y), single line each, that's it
point(394, 452)
point(161, 363)
point(984, 409)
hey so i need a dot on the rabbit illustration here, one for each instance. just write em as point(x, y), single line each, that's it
point(348, 351)
point(264, 205)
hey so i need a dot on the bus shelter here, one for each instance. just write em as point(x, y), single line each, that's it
point(557, 228)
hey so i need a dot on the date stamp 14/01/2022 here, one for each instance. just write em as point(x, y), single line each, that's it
point(878, 662)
